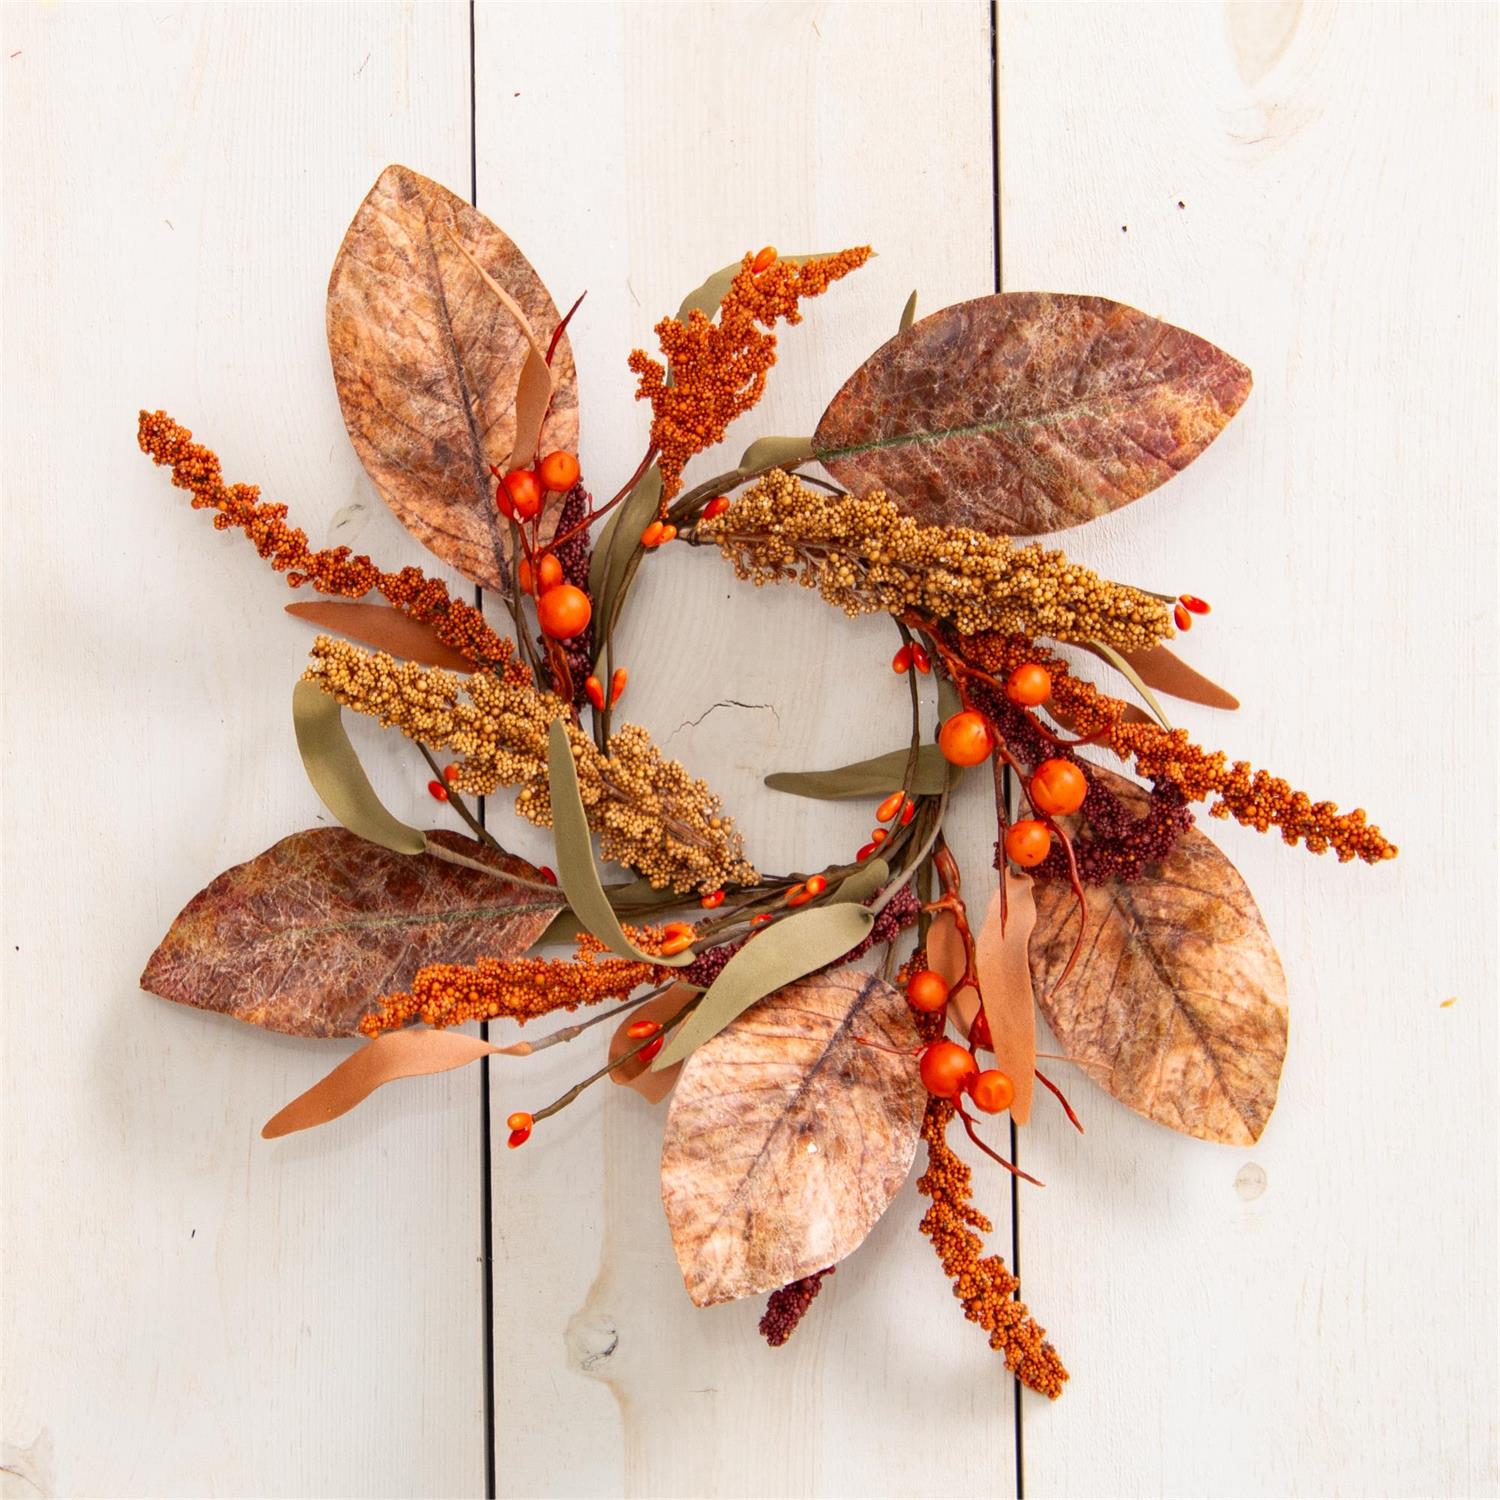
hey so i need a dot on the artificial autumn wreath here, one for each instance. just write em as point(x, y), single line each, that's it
point(801, 1085)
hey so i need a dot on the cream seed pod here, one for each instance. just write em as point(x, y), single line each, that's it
point(864, 555)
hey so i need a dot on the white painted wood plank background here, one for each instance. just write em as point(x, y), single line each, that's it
point(190, 1311)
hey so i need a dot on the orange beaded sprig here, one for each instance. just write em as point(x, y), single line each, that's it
point(1255, 798)
point(332, 570)
point(983, 1283)
point(718, 369)
point(519, 988)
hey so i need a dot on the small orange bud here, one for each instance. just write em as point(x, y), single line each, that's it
point(866, 852)
point(640, 1030)
point(890, 807)
point(1182, 617)
point(669, 533)
point(761, 920)
point(617, 685)
point(547, 874)
point(716, 507)
point(764, 260)
point(920, 659)
point(908, 813)
point(651, 536)
point(1198, 606)
point(594, 691)
point(798, 896)
point(651, 1048)
point(816, 884)
point(519, 1121)
point(438, 791)
point(711, 900)
point(450, 773)
point(901, 661)
point(518, 1138)
point(879, 835)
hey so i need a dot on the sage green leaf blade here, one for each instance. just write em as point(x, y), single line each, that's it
point(776, 452)
point(863, 883)
point(908, 313)
point(338, 778)
point(878, 776)
point(787, 951)
point(576, 871)
point(618, 543)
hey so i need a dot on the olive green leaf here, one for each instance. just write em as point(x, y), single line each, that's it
point(635, 896)
point(795, 946)
point(338, 778)
point(776, 452)
point(869, 778)
point(863, 883)
point(618, 543)
point(576, 871)
point(908, 313)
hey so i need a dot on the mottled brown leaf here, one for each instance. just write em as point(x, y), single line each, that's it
point(385, 629)
point(1178, 1004)
point(1028, 411)
point(787, 1138)
point(307, 936)
point(428, 363)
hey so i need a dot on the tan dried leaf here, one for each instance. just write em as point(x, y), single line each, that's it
point(1178, 1004)
point(651, 1086)
point(787, 1138)
point(428, 364)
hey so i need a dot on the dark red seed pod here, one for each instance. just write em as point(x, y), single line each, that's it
point(438, 791)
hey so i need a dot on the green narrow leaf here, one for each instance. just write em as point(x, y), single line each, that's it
point(795, 946)
point(780, 452)
point(863, 883)
point(868, 778)
point(576, 871)
point(1129, 673)
point(908, 313)
point(618, 542)
point(338, 778)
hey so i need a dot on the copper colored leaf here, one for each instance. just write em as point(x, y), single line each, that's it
point(788, 1137)
point(1178, 1004)
point(398, 1054)
point(1005, 985)
point(638, 1075)
point(1028, 411)
point(385, 629)
point(428, 363)
point(307, 936)
point(1168, 673)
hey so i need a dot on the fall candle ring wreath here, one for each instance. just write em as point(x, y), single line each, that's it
point(1001, 418)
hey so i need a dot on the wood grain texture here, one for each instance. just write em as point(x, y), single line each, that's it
point(189, 1310)
point(1026, 412)
point(1290, 181)
point(588, 1293)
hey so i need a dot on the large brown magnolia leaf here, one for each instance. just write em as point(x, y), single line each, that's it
point(428, 361)
point(1178, 1004)
point(787, 1137)
point(307, 936)
point(1028, 411)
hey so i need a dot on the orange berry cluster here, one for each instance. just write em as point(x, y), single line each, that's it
point(519, 988)
point(333, 570)
point(983, 1283)
point(718, 369)
point(1255, 798)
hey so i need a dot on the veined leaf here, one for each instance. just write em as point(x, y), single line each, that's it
point(337, 776)
point(1027, 412)
point(576, 871)
point(784, 952)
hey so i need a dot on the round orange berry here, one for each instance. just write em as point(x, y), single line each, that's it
point(525, 491)
point(1058, 786)
point(927, 991)
point(991, 1091)
point(564, 611)
point(1029, 685)
point(519, 1121)
point(559, 471)
point(946, 1068)
point(965, 739)
point(1028, 842)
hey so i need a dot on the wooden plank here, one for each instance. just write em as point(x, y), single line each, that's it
point(1313, 188)
point(632, 150)
point(189, 1310)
